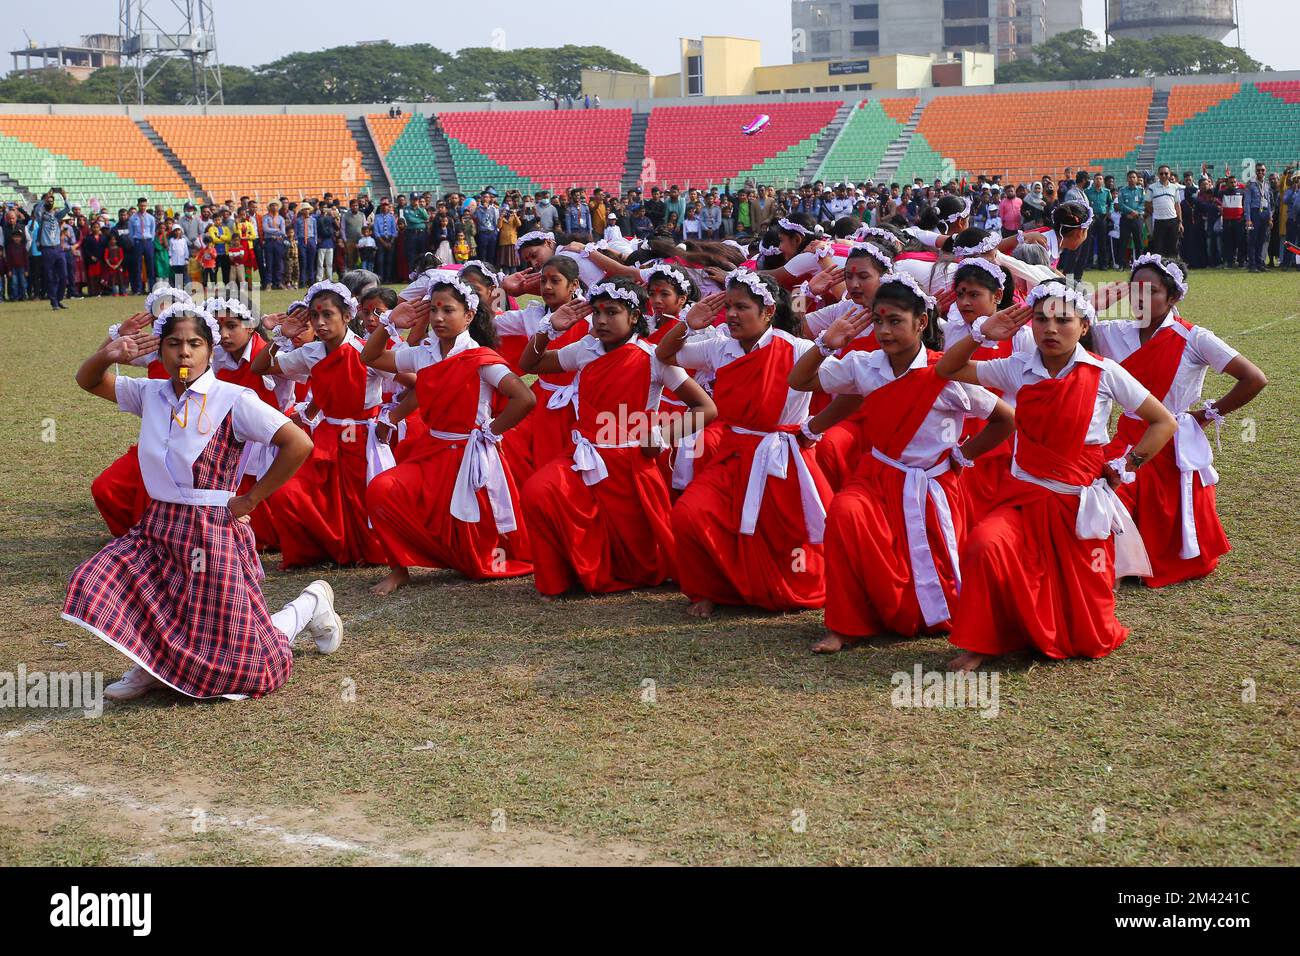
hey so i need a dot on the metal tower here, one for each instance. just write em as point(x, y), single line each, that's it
point(147, 45)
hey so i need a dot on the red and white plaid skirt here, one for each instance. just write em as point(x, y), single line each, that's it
point(180, 595)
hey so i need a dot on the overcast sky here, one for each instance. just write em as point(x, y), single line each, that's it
point(252, 32)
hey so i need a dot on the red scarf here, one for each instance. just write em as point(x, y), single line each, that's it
point(1052, 418)
point(893, 413)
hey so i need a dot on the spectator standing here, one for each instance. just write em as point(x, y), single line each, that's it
point(354, 220)
point(656, 210)
point(327, 235)
point(1275, 232)
point(1260, 204)
point(273, 245)
point(48, 227)
point(1232, 199)
point(675, 202)
point(1291, 199)
point(487, 224)
point(1164, 206)
point(1132, 210)
point(178, 254)
point(1009, 211)
point(417, 229)
point(1099, 198)
point(142, 229)
point(385, 234)
point(548, 216)
point(711, 219)
point(508, 234)
point(577, 218)
point(1209, 215)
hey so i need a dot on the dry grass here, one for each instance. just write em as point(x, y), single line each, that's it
point(536, 710)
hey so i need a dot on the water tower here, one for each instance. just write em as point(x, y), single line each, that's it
point(1148, 19)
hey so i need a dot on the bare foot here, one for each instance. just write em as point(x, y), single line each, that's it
point(703, 608)
point(967, 661)
point(833, 643)
point(397, 577)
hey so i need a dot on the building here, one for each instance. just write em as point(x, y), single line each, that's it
point(1007, 29)
point(732, 66)
point(1147, 19)
point(96, 50)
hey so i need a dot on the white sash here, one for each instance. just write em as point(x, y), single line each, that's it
point(561, 395)
point(772, 458)
point(587, 461)
point(379, 457)
point(919, 483)
point(480, 467)
point(1100, 513)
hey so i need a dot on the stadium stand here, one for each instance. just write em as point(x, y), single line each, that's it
point(102, 158)
point(532, 149)
point(1023, 135)
point(702, 146)
point(1257, 122)
point(264, 156)
point(862, 143)
point(403, 142)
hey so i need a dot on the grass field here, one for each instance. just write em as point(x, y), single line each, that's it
point(489, 728)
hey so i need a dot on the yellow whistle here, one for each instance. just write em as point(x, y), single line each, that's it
point(183, 372)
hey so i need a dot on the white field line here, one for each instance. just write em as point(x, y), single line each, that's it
point(293, 838)
point(1266, 325)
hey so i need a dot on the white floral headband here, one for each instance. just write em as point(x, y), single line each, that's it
point(1168, 268)
point(995, 271)
point(234, 307)
point(675, 275)
point(534, 236)
point(962, 213)
point(908, 281)
point(295, 305)
point(768, 250)
point(338, 289)
point(448, 278)
point(791, 226)
point(752, 282)
point(872, 232)
point(183, 309)
point(165, 292)
point(614, 292)
point(488, 272)
point(1059, 290)
point(983, 247)
point(873, 250)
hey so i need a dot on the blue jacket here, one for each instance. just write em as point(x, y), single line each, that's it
point(47, 224)
point(1255, 190)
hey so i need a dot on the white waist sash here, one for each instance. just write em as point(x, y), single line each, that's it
point(561, 395)
point(480, 467)
point(772, 458)
point(1100, 513)
point(587, 461)
point(379, 457)
point(201, 497)
point(918, 484)
point(1194, 458)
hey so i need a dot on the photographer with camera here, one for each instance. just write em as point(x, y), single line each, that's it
point(49, 233)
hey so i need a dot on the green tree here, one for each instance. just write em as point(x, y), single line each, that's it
point(1075, 55)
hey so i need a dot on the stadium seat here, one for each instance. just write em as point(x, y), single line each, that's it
point(298, 156)
point(862, 143)
point(403, 142)
point(702, 146)
point(538, 149)
point(1232, 123)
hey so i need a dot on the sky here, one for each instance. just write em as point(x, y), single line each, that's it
point(252, 32)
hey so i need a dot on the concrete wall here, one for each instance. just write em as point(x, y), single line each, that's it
point(1145, 19)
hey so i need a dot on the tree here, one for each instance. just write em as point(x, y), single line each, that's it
point(1075, 55)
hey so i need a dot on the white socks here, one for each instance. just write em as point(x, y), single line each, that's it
point(293, 617)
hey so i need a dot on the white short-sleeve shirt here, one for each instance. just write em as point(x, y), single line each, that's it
point(588, 271)
point(419, 357)
point(224, 361)
point(1119, 338)
point(298, 363)
point(710, 353)
point(576, 355)
point(526, 321)
point(820, 320)
point(1117, 385)
point(175, 431)
point(803, 265)
point(861, 373)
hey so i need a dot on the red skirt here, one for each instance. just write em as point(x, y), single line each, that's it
point(320, 513)
point(120, 494)
point(985, 483)
point(776, 568)
point(840, 451)
point(551, 429)
point(611, 536)
point(1027, 581)
point(410, 510)
point(205, 631)
point(1155, 504)
point(869, 582)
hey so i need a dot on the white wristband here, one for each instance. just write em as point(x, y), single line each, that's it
point(977, 330)
point(551, 331)
point(822, 347)
point(1121, 468)
point(489, 434)
point(959, 458)
point(386, 320)
point(808, 433)
point(283, 343)
point(1212, 413)
point(113, 331)
point(657, 439)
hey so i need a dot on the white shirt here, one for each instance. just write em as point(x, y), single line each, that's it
point(820, 320)
point(418, 357)
point(526, 321)
point(861, 373)
point(955, 329)
point(576, 355)
point(588, 271)
point(297, 365)
point(1164, 200)
point(803, 264)
point(931, 276)
point(710, 353)
point(178, 251)
point(1117, 385)
point(1119, 338)
point(168, 450)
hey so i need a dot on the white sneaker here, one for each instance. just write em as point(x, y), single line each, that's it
point(134, 683)
point(325, 626)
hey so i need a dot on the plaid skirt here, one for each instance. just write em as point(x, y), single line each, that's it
point(180, 595)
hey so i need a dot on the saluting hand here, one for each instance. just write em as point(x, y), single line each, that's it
point(1002, 325)
point(846, 328)
point(570, 314)
point(702, 313)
